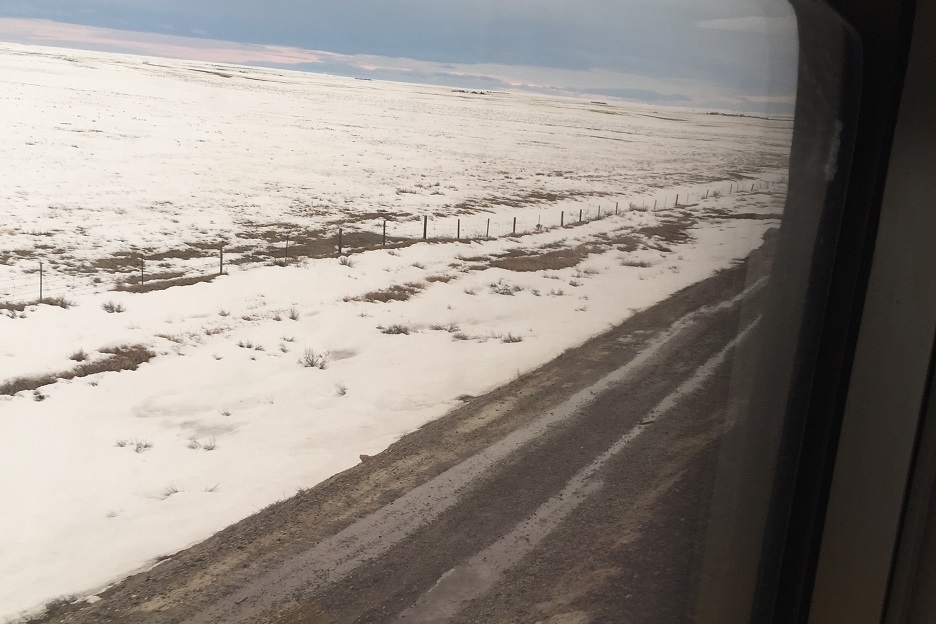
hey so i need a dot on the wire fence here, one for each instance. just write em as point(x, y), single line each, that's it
point(46, 283)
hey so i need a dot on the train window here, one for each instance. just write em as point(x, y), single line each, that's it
point(429, 312)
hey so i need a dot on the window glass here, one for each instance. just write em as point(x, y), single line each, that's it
point(347, 312)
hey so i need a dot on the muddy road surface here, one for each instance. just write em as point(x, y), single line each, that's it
point(578, 493)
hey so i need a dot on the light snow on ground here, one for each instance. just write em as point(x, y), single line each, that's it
point(102, 155)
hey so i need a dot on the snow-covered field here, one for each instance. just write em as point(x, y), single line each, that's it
point(107, 158)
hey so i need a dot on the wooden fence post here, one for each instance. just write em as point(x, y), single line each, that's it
point(221, 263)
point(141, 272)
point(562, 219)
point(40, 282)
point(514, 226)
point(425, 226)
point(487, 232)
point(339, 241)
point(599, 212)
point(580, 215)
point(616, 207)
point(384, 241)
point(286, 255)
point(458, 230)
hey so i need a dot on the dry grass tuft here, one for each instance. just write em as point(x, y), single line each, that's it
point(60, 302)
point(440, 278)
point(311, 359)
point(396, 328)
point(141, 446)
point(78, 356)
point(500, 288)
point(398, 292)
point(167, 492)
point(176, 338)
point(643, 264)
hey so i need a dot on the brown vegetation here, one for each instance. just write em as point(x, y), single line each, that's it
point(125, 357)
point(398, 292)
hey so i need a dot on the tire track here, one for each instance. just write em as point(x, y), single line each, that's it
point(334, 558)
point(476, 577)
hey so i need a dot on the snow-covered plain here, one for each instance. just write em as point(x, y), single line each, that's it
point(106, 156)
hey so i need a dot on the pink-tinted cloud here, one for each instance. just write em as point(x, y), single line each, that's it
point(43, 32)
point(542, 79)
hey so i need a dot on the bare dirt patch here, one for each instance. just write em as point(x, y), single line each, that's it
point(398, 292)
point(670, 230)
point(522, 261)
point(528, 198)
point(115, 263)
point(157, 282)
point(126, 357)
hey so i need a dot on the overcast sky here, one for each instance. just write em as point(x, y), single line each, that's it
point(736, 54)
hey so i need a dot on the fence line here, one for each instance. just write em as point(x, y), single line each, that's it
point(385, 233)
